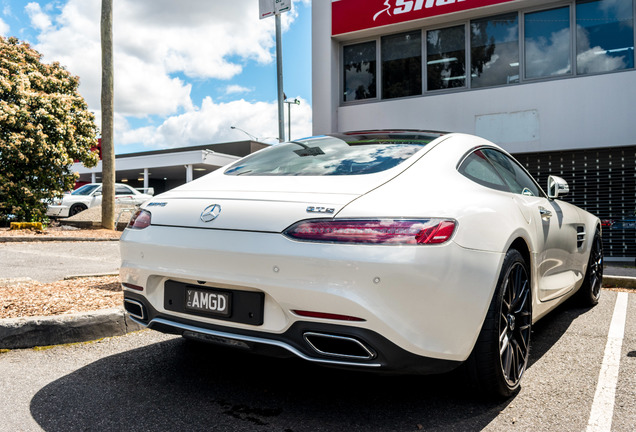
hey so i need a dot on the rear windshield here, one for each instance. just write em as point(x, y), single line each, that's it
point(333, 155)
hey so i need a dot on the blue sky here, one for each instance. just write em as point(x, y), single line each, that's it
point(185, 71)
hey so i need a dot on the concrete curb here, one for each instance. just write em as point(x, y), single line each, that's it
point(90, 275)
point(30, 332)
point(16, 239)
point(619, 281)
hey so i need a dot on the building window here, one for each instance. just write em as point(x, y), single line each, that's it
point(401, 56)
point(446, 58)
point(547, 43)
point(359, 62)
point(604, 36)
point(577, 38)
point(494, 50)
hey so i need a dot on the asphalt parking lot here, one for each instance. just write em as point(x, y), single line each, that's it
point(51, 261)
point(582, 376)
point(149, 381)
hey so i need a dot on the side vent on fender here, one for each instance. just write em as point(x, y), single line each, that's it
point(580, 236)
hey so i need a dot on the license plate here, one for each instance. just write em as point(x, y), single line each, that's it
point(208, 301)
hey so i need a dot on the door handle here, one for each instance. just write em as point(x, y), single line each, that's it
point(545, 213)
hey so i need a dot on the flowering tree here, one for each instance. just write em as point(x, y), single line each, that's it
point(44, 127)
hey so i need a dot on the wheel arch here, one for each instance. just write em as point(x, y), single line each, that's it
point(522, 247)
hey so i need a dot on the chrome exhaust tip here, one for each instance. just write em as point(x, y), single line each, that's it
point(135, 309)
point(338, 346)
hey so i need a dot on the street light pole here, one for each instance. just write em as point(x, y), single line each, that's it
point(279, 71)
point(252, 137)
point(289, 104)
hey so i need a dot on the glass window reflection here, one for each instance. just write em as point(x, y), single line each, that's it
point(359, 62)
point(604, 36)
point(402, 65)
point(547, 43)
point(446, 58)
point(494, 50)
point(333, 155)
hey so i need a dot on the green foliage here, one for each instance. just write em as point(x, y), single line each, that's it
point(44, 127)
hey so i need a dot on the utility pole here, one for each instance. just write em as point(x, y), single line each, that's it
point(279, 73)
point(108, 150)
point(268, 8)
point(289, 104)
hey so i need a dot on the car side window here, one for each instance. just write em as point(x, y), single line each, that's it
point(515, 177)
point(122, 190)
point(477, 168)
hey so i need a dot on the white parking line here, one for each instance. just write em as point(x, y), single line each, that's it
point(603, 405)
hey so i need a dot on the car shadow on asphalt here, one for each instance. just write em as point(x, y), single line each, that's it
point(552, 327)
point(179, 385)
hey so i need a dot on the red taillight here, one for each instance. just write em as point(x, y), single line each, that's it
point(132, 286)
point(325, 315)
point(140, 220)
point(436, 234)
point(382, 231)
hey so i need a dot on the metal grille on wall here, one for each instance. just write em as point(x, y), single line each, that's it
point(603, 182)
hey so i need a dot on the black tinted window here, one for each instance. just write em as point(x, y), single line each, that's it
point(477, 168)
point(359, 63)
point(517, 179)
point(122, 190)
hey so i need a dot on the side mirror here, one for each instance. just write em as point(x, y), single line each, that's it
point(97, 193)
point(557, 187)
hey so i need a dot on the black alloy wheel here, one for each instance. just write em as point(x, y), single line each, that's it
point(590, 291)
point(500, 356)
point(76, 208)
point(515, 323)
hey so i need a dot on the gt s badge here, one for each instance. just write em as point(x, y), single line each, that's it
point(210, 213)
point(313, 209)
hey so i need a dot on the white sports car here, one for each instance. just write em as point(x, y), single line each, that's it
point(90, 195)
point(383, 250)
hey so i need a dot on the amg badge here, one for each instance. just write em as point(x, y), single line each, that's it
point(313, 209)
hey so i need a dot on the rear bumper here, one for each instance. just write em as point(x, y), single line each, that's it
point(378, 353)
point(428, 301)
point(57, 211)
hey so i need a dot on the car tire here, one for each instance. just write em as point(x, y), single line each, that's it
point(500, 356)
point(76, 208)
point(590, 291)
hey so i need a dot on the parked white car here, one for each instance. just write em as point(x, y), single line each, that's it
point(387, 250)
point(90, 195)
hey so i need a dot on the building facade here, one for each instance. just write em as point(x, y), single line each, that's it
point(162, 170)
point(552, 82)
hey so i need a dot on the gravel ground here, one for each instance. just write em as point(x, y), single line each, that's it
point(29, 298)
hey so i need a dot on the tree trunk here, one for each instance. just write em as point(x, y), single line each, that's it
point(108, 150)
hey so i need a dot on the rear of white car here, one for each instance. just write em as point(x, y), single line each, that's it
point(337, 299)
point(364, 250)
point(90, 195)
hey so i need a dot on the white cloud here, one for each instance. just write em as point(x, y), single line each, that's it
point(236, 89)
point(212, 122)
point(4, 28)
point(39, 19)
point(155, 42)
point(161, 47)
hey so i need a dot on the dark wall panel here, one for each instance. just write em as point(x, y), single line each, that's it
point(603, 182)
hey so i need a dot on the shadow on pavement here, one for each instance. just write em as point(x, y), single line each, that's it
point(182, 385)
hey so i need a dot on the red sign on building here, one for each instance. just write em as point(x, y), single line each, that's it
point(353, 15)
